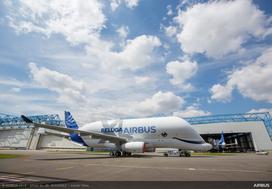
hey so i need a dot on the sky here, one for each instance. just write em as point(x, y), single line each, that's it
point(111, 59)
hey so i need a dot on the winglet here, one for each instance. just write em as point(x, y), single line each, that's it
point(26, 119)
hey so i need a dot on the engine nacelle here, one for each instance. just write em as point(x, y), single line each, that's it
point(137, 147)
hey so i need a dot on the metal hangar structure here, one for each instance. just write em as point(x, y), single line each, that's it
point(248, 131)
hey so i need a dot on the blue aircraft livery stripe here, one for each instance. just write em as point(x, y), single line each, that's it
point(189, 141)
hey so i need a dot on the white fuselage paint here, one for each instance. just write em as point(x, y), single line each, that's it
point(158, 132)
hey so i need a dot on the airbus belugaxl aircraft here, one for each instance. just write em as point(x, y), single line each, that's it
point(129, 136)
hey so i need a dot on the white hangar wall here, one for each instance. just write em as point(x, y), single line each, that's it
point(32, 139)
point(48, 141)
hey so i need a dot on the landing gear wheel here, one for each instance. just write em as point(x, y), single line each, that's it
point(118, 153)
point(187, 154)
point(126, 154)
point(112, 154)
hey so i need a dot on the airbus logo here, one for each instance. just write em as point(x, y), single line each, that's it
point(129, 130)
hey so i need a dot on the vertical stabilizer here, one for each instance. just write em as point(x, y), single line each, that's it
point(222, 139)
point(69, 121)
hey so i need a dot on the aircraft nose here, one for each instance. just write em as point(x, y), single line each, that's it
point(206, 146)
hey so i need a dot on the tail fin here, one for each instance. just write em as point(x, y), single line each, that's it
point(222, 139)
point(69, 121)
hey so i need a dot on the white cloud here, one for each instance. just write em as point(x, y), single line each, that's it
point(143, 80)
point(221, 93)
point(253, 80)
point(16, 89)
point(217, 28)
point(129, 3)
point(169, 10)
point(191, 111)
point(14, 102)
point(123, 31)
point(110, 96)
point(68, 89)
point(137, 53)
point(170, 31)
point(115, 4)
point(78, 21)
point(181, 72)
point(160, 103)
point(12, 82)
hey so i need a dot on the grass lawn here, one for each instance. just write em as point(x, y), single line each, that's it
point(212, 154)
point(4, 156)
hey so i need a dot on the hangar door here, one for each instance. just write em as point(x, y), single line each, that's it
point(234, 142)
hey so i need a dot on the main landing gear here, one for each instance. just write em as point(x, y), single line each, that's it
point(118, 153)
point(184, 153)
point(181, 153)
point(187, 154)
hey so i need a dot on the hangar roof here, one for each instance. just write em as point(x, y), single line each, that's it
point(17, 121)
point(54, 119)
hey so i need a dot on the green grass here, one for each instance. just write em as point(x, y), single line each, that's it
point(5, 156)
point(212, 154)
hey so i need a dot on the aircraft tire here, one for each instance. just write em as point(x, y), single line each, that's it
point(187, 154)
point(115, 153)
point(118, 153)
point(126, 154)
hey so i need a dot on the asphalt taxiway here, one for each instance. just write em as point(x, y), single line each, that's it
point(44, 165)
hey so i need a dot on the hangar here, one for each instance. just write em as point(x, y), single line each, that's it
point(16, 134)
point(244, 132)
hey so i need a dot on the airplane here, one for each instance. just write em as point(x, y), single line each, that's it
point(129, 136)
point(222, 143)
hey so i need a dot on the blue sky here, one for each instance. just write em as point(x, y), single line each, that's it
point(133, 58)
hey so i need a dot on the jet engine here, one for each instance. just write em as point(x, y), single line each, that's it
point(137, 147)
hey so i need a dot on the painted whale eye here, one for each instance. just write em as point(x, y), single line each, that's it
point(164, 134)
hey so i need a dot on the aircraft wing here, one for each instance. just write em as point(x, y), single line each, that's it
point(94, 135)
